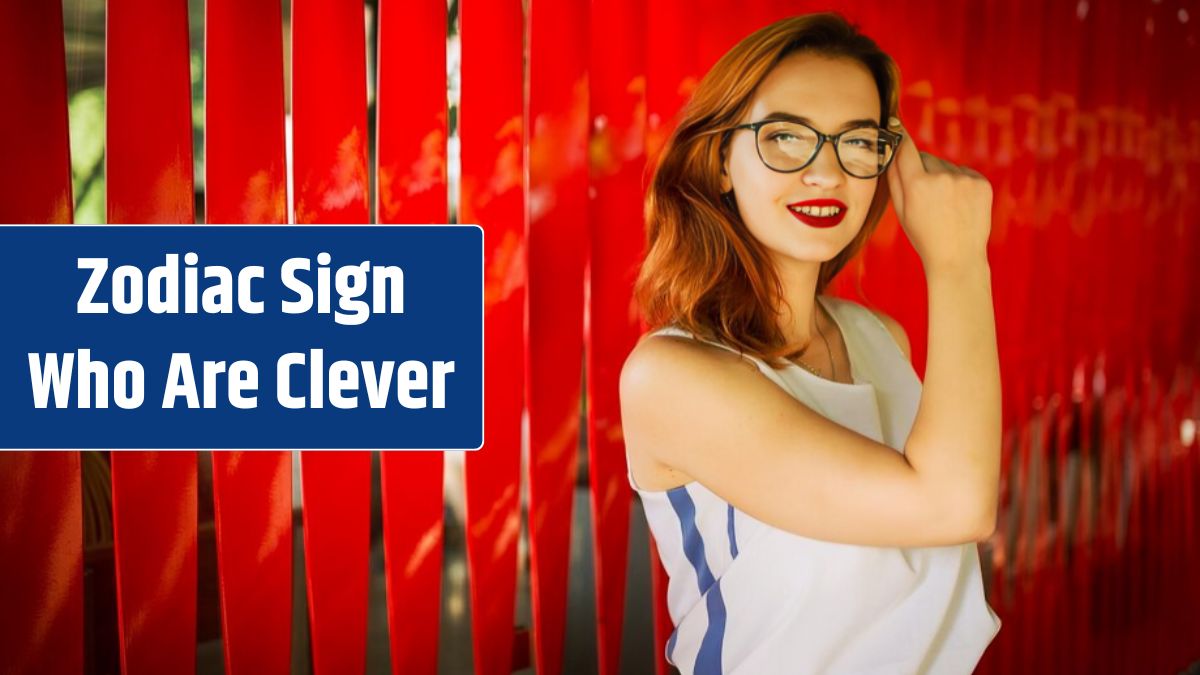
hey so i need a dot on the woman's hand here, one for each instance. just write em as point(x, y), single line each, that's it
point(945, 209)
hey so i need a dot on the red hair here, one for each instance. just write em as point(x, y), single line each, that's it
point(703, 270)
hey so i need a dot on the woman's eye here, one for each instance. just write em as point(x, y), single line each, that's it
point(781, 136)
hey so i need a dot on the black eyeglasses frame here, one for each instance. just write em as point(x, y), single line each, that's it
point(893, 136)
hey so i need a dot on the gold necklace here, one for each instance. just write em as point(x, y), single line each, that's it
point(829, 351)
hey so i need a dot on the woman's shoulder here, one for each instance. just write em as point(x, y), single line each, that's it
point(670, 348)
point(677, 369)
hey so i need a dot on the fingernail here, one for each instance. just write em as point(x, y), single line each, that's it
point(894, 122)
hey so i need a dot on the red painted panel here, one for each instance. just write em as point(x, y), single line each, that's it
point(412, 535)
point(410, 109)
point(35, 167)
point(411, 154)
point(491, 195)
point(558, 204)
point(329, 111)
point(253, 508)
point(41, 529)
point(336, 488)
point(149, 106)
point(154, 533)
point(41, 571)
point(245, 166)
point(618, 90)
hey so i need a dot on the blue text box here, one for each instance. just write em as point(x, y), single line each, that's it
point(393, 360)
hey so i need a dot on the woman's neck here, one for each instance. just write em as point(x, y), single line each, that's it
point(799, 315)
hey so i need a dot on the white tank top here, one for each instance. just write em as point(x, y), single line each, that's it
point(746, 597)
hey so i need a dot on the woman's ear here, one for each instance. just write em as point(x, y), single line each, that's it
point(726, 182)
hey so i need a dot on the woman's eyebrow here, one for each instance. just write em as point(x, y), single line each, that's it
point(788, 117)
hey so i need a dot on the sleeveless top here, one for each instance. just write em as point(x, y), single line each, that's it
point(746, 597)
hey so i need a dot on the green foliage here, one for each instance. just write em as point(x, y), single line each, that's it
point(87, 116)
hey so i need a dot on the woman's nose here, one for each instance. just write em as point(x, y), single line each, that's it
point(824, 171)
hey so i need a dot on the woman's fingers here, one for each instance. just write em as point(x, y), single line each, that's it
point(895, 181)
point(908, 158)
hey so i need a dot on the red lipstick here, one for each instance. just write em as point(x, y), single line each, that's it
point(818, 221)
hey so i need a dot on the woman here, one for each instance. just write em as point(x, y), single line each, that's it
point(815, 505)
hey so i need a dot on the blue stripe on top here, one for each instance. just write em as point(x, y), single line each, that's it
point(693, 544)
point(708, 659)
point(732, 534)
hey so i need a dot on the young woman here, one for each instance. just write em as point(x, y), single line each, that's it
point(815, 505)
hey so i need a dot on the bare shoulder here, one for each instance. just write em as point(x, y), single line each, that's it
point(659, 366)
point(897, 330)
point(655, 353)
point(662, 373)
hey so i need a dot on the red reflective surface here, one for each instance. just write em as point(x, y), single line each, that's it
point(329, 111)
point(411, 109)
point(413, 540)
point(411, 146)
point(154, 533)
point(35, 164)
point(252, 494)
point(245, 169)
point(336, 489)
point(557, 230)
point(617, 89)
point(41, 569)
point(148, 95)
point(491, 195)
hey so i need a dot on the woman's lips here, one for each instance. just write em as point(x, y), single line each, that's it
point(817, 221)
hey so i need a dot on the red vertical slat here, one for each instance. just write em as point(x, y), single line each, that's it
point(253, 510)
point(245, 169)
point(557, 237)
point(149, 107)
point(411, 155)
point(410, 109)
point(617, 84)
point(412, 535)
point(35, 165)
point(149, 173)
point(41, 529)
point(336, 493)
point(154, 533)
point(491, 196)
point(329, 111)
point(246, 182)
point(41, 570)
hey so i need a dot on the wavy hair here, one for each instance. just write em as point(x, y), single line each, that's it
point(703, 270)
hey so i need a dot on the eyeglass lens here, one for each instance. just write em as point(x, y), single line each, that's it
point(787, 146)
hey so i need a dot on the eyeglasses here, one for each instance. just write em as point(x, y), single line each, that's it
point(786, 146)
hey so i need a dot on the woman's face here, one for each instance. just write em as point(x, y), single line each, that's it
point(828, 92)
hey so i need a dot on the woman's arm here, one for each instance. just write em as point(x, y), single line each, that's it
point(955, 438)
point(713, 417)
